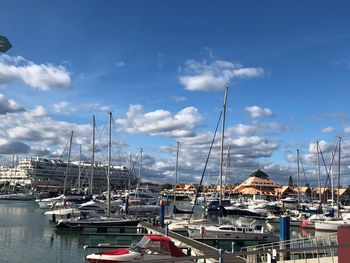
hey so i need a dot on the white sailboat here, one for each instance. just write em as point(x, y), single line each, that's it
point(99, 221)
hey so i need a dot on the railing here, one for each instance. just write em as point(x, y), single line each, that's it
point(294, 250)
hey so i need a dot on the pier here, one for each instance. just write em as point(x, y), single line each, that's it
point(326, 248)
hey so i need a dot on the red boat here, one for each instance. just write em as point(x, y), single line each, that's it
point(148, 248)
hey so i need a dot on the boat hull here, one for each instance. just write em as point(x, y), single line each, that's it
point(82, 224)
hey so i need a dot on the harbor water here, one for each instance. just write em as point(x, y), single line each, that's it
point(26, 236)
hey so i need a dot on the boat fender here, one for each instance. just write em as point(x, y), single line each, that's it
point(202, 231)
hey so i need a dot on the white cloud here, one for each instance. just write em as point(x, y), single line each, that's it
point(120, 64)
point(160, 122)
point(323, 145)
point(347, 130)
point(179, 98)
point(328, 129)
point(41, 77)
point(59, 106)
point(214, 76)
point(37, 112)
point(96, 106)
point(9, 105)
point(256, 111)
point(242, 129)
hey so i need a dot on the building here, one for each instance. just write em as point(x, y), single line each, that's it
point(258, 184)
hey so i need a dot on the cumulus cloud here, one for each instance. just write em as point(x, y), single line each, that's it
point(41, 77)
point(59, 106)
point(323, 145)
point(256, 111)
point(15, 147)
point(63, 107)
point(179, 98)
point(9, 105)
point(160, 122)
point(38, 112)
point(96, 106)
point(214, 76)
point(328, 129)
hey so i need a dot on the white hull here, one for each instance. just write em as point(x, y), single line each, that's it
point(331, 225)
point(230, 232)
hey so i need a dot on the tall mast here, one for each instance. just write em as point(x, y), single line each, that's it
point(68, 162)
point(109, 165)
point(140, 166)
point(93, 155)
point(298, 178)
point(222, 145)
point(176, 167)
point(319, 172)
point(79, 167)
point(338, 190)
point(129, 175)
point(332, 179)
point(228, 164)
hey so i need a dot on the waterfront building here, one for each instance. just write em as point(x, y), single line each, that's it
point(258, 184)
point(52, 173)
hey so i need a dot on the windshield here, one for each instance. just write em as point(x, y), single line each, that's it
point(159, 246)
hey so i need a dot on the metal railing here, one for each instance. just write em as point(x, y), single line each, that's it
point(294, 250)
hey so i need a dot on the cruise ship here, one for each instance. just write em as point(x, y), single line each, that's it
point(51, 173)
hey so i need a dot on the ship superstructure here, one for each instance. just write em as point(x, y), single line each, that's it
point(43, 171)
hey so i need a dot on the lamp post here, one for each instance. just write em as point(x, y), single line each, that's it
point(4, 44)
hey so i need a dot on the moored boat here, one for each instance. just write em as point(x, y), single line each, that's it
point(81, 222)
point(149, 248)
point(233, 232)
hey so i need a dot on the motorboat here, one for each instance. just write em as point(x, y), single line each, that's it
point(149, 248)
point(99, 206)
point(186, 224)
point(97, 221)
point(331, 225)
point(233, 232)
point(19, 196)
point(64, 213)
point(143, 194)
point(140, 209)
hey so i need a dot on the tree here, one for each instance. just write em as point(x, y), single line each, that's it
point(166, 186)
point(290, 180)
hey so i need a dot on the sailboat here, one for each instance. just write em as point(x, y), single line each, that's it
point(177, 211)
point(229, 231)
point(332, 224)
point(99, 221)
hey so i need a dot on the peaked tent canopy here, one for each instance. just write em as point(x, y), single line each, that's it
point(260, 174)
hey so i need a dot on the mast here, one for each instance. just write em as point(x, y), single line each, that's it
point(332, 180)
point(109, 166)
point(68, 162)
point(319, 172)
point(93, 155)
point(338, 190)
point(129, 175)
point(176, 166)
point(222, 145)
point(79, 170)
point(298, 178)
point(140, 167)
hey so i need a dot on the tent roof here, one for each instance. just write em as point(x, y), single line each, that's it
point(260, 174)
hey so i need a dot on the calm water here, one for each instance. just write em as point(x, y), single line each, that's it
point(26, 236)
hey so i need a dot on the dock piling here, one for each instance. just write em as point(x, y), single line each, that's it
point(162, 213)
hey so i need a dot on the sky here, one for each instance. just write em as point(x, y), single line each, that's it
point(161, 68)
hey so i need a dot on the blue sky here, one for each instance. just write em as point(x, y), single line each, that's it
point(161, 68)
